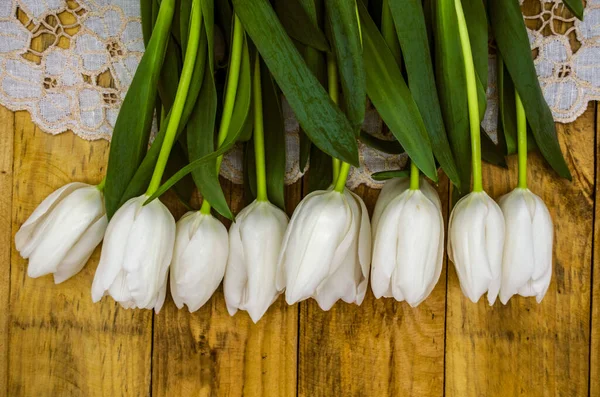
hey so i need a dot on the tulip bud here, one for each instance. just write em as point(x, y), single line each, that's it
point(527, 259)
point(199, 260)
point(61, 234)
point(326, 250)
point(254, 244)
point(135, 255)
point(408, 243)
point(475, 244)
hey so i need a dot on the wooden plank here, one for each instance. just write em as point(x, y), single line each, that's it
point(595, 315)
point(209, 353)
point(382, 348)
point(7, 127)
point(524, 348)
point(60, 342)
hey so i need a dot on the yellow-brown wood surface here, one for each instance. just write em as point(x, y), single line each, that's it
point(54, 341)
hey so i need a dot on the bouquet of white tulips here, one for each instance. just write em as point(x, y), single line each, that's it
point(326, 61)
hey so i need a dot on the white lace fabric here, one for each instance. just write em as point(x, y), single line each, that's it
point(69, 64)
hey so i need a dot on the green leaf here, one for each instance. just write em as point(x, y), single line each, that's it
point(319, 117)
point(201, 142)
point(201, 126)
point(507, 110)
point(576, 7)
point(185, 11)
point(490, 151)
point(477, 26)
point(451, 84)
point(185, 187)
point(141, 179)
point(320, 173)
point(132, 128)
point(274, 129)
point(346, 42)
point(512, 41)
point(147, 19)
point(390, 147)
point(297, 19)
point(385, 175)
point(388, 31)
point(169, 76)
point(412, 34)
point(390, 96)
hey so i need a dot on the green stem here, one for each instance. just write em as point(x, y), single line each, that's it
point(180, 97)
point(259, 136)
point(100, 186)
point(521, 141)
point(472, 101)
point(414, 176)
point(332, 87)
point(230, 93)
point(340, 183)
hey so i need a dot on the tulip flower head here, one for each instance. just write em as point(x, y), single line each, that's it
point(199, 260)
point(527, 259)
point(475, 244)
point(326, 250)
point(254, 244)
point(408, 242)
point(61, 234)
point(135, 255)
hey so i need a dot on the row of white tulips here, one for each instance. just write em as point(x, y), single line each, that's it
point(325, 252)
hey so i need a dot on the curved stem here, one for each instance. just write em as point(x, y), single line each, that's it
point(180, 97)
point(230, 92)
point(414, 176)
point(259, 136)
point(521, 141)
point(472, 101)
point(340, 183)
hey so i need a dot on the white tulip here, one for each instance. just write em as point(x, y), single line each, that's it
point(61, 234)
point(254, 244)
point(135, 255)
point(527, 260)
point(408, 243)
point(475, 244)
point(326, 250)
point(199, 260)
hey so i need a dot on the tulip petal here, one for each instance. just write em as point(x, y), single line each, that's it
point(78, 256)
point(149, 252)
point(200, 267)
point(392, 189)
point(24, 236)
point(317, 232)
point(110, 267)
point(518, 258)
point(261, 234)
point(236, 276)
point(364, 249)
point(62, 228)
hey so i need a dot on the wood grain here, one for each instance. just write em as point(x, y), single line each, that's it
point(595, 314)
point(7, 126)
point(526, 349)
point(60, 342)
point(382, 348)
point(209, 353)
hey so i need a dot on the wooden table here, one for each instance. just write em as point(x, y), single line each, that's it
point(55, 342)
